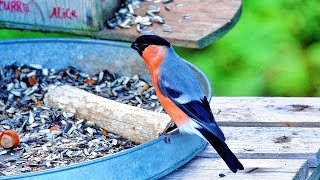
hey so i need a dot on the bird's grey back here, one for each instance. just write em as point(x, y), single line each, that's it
point(178, 75)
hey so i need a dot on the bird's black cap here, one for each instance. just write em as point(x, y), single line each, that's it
point(144, 41)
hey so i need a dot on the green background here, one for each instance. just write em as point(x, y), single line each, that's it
point(274, 50)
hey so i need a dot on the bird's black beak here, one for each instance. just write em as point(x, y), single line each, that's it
point(135, 46)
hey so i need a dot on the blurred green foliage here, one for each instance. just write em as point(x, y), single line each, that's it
point(274, 50)
point(13, 34)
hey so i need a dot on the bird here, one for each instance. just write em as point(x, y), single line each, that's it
point(179, 92)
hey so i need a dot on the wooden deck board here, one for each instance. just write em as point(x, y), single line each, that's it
point(210, 168)
point(266, 112)
point(255, 142)
point(255, 128)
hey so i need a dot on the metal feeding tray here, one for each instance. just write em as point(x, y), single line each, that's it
point(153, 159)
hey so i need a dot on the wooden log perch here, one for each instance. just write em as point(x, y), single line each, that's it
point(131, 122)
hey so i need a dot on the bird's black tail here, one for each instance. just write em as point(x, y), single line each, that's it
point(223, 150)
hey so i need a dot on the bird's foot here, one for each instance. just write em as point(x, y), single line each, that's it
point(167, 136)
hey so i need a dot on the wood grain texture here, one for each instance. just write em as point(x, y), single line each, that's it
point(278, 135)
point(128, 121)
point(270, 143)
point(266, 112)
point(210, 168)
point(58, 15)
point(211, 19)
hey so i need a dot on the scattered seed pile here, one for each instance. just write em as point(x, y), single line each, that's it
point(52, 138)
point(126, 16)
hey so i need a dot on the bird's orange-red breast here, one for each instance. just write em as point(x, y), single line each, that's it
point(153, 56)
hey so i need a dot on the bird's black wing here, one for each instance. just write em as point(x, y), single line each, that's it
point(196, 108)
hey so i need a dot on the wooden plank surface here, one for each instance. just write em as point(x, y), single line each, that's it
point(266, 112)
point(266, 142)
point(210, 168)
point(211, 19)
point(274, 138)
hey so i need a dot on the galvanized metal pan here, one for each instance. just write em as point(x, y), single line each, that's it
point(151, 160)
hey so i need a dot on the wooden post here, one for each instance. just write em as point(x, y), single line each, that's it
point(58, 15)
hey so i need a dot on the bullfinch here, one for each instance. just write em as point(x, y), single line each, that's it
point(179, 91)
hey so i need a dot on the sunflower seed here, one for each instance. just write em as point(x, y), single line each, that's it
point(166, 1)
point(10, 86)
point(179, 5)
point(32, 73)
point(31, 118)
point(34, 125)
point(45, 72)
point(36, 66)
point(98, 89)
point(67, 115)
point(126, 16)
point(153, 9)
point(23, 85)
point(16, 93)
point(89, 130)
point(167, 8)
point(187, 16)
point(11, 110)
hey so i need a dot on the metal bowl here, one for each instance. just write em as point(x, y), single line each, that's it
point(150, 160)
